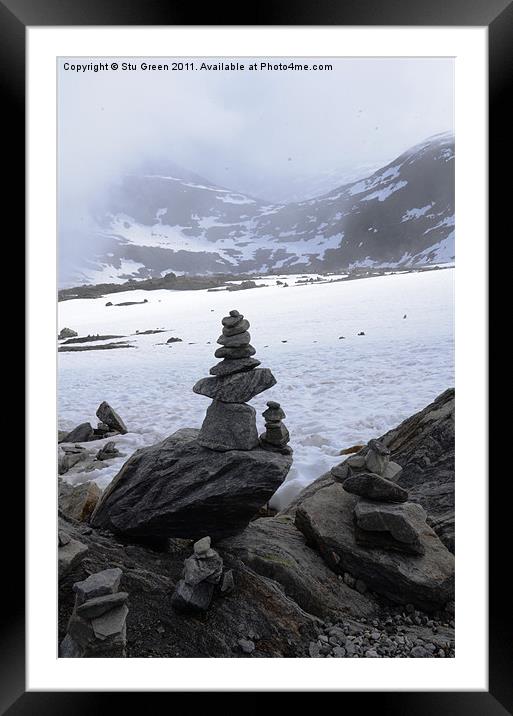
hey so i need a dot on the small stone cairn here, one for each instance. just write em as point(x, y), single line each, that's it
point(230, 423)
point(202, 574)
point(97, 627)
point(276, 435)
point(383, 516)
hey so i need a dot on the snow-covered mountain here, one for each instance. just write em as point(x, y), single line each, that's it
point(162, 219)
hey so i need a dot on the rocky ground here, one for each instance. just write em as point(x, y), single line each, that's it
point(178, 556)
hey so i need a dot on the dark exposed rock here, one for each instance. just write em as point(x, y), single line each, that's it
point(258, 605)
point(240, 327)
point(174, 339)
point(109, 416)
point(227, 367)
point(326, 519)
point(89, 339)
point(99, 605)
point(99, 347)
point(275, 548)
point(238, 387)
point(374, 487)
point(98, 585)
point(70, 553)
point(424, 446)
point(67, 333)
point(108, 451)
point(229, 426)
point(81, 434)
point(179, 488)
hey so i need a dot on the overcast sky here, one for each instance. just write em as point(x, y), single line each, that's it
point(252, 131)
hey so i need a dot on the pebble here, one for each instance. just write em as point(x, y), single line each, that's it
point(246, 645)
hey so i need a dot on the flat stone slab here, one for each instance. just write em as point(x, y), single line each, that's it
point(326, 518)
point(235, 365)
point(96, 607)
point(229, 426)
point(177, 488)
point(97, 585)
point(374, 487)
point(404, 522)
point(240, 327)
point(236, 388)
point(192, 597)
point(239, 352)
point(239, 339)
point(111, 624)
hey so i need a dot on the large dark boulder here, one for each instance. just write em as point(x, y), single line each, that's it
point(424, 446)
point(177, 488)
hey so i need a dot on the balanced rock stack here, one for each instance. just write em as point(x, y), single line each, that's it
point(276, 435)
point(230, 424)
point(211, 481)
point(383, 517)
point(97, 626)
point(203, 572)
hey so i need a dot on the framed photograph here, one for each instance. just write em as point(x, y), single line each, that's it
point(257, 256)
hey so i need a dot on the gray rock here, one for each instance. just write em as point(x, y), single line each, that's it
point(192, 598)
point(109, 416)
point(70, 554)
point(98, 585)
point(179, 488)
point(273, 547)
point(419, 652)
point(326, 519)
point(99, 605)
point(81, 434)
point(377, 457)
point(424, 445)
point(374, 487)
point(202, 547)
point(247, 646)
point(232, 320)
point(108, 451)
point(341, 472)
point(67, 460)
point(240, 352)
point(274, 412)
point(229, 426)
point(63, 538)
point(110, 624)
point(203, 569)
point(78, 501)
point(69, 649)
point(240, 327)
point(392, 471)
point(356, 461)
point(403, 522)
point(239, 339)
point(236, 388)
point(237, 365)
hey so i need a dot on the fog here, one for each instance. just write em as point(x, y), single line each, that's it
point(268, 134)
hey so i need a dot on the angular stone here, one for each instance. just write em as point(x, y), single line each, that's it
point(229, 426)
point(97, 585)
point(69, 649)
point(404, 522)
point(70, 554)
point(178, 488)
point(239, 327)
point(111, 624)
point(374, 487)
point(241, 339)
point(109, 416)
point(232, 319)
point(276, 434)
point(96, 607)
point(241, 352)
point(236, 388)
point(203, 569)
point(356, 461)
point(326, 519)
point(377, 457)
point(227, 583)
point(78, 501)
point(202, 546)
point(108, 451)
point(341, 472)
point(192, 598)
point(81, 434)
point(236, 365)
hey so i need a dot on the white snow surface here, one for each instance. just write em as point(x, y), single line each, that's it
point(335, 392)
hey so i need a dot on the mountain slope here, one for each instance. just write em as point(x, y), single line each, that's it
point(162, 219)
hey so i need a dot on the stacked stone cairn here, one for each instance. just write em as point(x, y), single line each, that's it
point(276, 435)
point(230, 423)
point(383, 516)
point(202, 576)
point(97, 626)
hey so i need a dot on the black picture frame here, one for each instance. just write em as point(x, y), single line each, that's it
point(497, 15)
